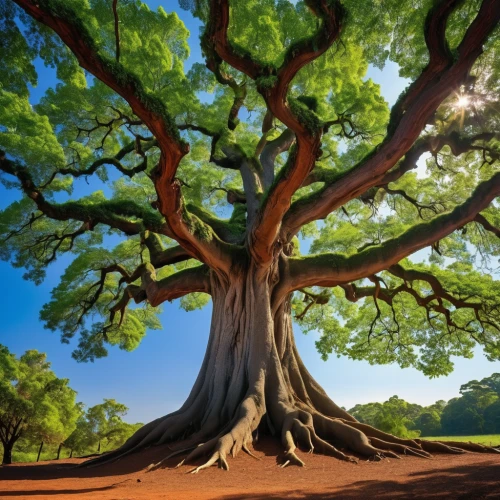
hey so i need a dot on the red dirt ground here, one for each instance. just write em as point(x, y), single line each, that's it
point(464, 477)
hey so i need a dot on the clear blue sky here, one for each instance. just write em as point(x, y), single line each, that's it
point(156, 378)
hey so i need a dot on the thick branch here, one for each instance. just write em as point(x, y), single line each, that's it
point(271, 150)
point(115, 214)
point(481, 219)
point(332, 270)
point(188, 231)
point(424, 96)
point(160, 256)
point(194, 279)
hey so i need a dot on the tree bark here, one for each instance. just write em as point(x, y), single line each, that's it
point(39, 451)
point(7, 453)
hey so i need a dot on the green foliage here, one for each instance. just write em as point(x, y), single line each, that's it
point(395, 416)
point(477, 411)
point(83, 126)
point(77, 291)
point(34, 403)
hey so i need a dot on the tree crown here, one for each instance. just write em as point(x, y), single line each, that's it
point(276, 144)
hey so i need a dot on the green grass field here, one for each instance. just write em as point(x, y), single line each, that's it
point(487, 439)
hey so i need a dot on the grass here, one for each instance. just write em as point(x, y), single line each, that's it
point(486, 439)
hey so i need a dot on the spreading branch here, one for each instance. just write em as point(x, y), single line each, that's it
point(440, 303)
point(332, 269)
point(188, 230)
point(115, 214)
point(194, 279)
point(441, 76)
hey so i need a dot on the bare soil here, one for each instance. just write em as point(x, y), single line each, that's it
point(469, 476)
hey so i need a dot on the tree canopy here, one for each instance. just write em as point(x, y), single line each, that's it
point(34, 403)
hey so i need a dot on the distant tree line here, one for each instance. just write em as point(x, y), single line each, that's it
point(476, 411)
point(39, 415)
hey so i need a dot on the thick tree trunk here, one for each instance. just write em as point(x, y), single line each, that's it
point(7, 453)
point(252, 375)
point(39, 451)
point(59, 451)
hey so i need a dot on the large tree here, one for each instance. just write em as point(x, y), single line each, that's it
point(210, 175)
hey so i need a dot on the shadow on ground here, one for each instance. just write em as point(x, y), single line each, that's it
point(134, 462)
point(457, 483)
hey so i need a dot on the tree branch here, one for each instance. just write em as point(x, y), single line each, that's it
point(434, 302)
point(481, 219)
point(409, 117)
point(332, 270)
point(189, 231)
point(194, 279)
point(160, 256)
point(111, 213)
point(270, 151)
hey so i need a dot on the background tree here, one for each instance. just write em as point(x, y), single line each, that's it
point(201, 198)
point(107, 426)
point(471, 413)
point(34, 403)
point(395, 416)
point(80, 437)
point(429, 421)
point(100, 428)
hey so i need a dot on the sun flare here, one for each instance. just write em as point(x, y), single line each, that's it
point(463, 101)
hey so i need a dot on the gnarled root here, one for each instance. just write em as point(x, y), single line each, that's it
point(300, 423)
point(230, 443)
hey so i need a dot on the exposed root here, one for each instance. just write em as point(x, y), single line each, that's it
point(232, 442)
point(456, 447)
point(248, 452)
point(400, 448)
point(217, 456)
point(288, 442)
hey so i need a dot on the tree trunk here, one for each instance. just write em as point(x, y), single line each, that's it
point(39, 451)
point(99, 447)
point(59, 451)
point(7, 453)
point(252, 374)
point(71, 454)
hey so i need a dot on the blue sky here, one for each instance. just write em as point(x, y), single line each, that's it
point(156, 378)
